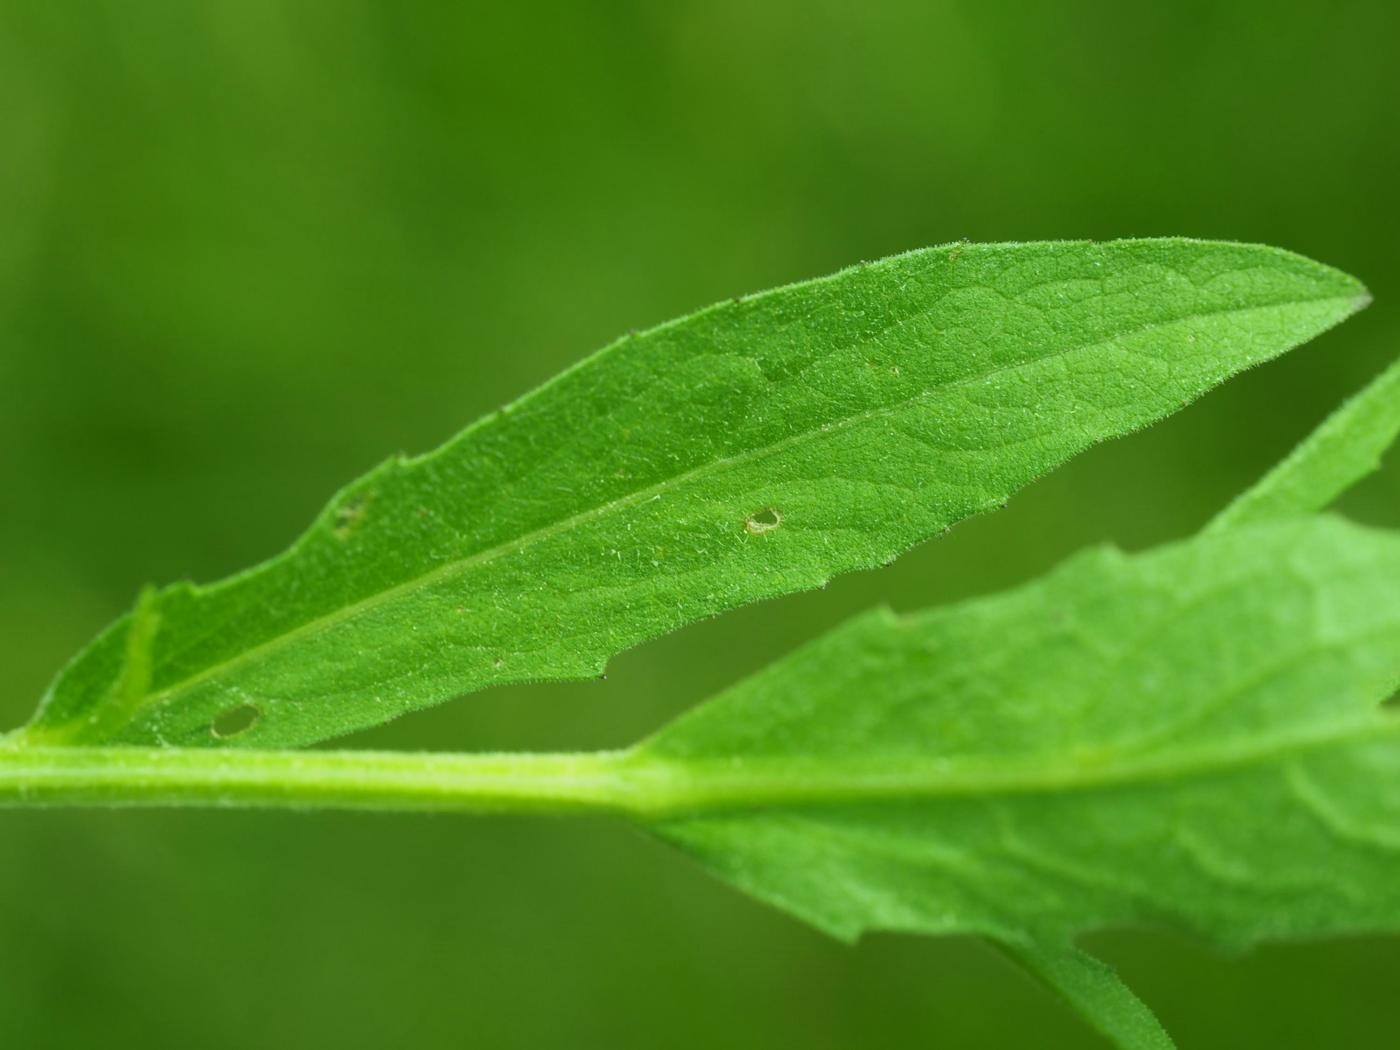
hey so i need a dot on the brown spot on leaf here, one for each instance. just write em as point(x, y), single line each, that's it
point(236, 721)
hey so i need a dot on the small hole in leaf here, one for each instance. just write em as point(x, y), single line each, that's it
point(761, 521)
point(234, 721)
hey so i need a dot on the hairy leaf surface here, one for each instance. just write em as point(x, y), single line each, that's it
point(1344, 448)
point(752, 449)
point(1191, 738)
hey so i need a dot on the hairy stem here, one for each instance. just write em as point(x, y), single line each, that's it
point(362, 780)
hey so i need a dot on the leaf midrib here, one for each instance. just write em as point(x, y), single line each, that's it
point(674, 788)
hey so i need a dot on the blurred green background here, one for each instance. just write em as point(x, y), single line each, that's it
point(248, 249)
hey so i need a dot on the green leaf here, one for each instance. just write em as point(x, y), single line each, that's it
point(752, 449)
point(1095, 992)
point(1190, 739)
point(1340, 452)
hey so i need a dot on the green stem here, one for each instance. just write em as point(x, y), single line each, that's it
point(638, 783)
point(362, 780)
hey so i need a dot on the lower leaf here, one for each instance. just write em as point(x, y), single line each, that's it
point(1190, 739)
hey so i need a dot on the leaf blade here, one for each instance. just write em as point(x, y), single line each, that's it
point(749, 450)
point(1189, 739)
point(1342, 450)
point(1095, 992)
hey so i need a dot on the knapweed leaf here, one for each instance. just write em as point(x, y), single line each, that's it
point(1095, 992)
point(1344, 448)
point(749, 450)
point(1193, 739)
